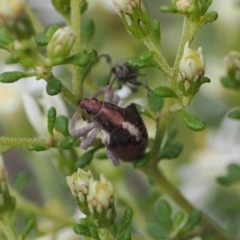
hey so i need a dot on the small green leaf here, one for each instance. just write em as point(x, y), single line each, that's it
point(10, 77)
point(126, 221)
point(193, 220)
point(51, 30)
point(178, 219)
point(28, 227)
point(143, 111)
point(67, 142)
point(193, 122)
point(143, 60)
point(81, 230)
point(36, 147)
point(54, 86)
point(5, 37)
point(205, 5)
point(164, 215)
point(88, 30)
point(80, 59)
point(61, 125)
point(209, 17)
point(113, 229)
point(84, 160)
point(156, 33)
point(155, 103)
point(227, 83)
point(172, 150)
point(235, 114)
point(52, 115)
point(142, 161)
point(157, 231)
point(165, 92)
point(126, 235)
point(232, 176)
point(41, 39)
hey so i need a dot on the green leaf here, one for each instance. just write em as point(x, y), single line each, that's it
point(28, 227)
point(171, 134)
point(178, 219)
point(36, 147)
point(113, 230)
point(10, 77)
point(206, 4)
point(126, 221)
point(41, 39)
point(52, 115)
point(209, 17)
point(171, 151)
point(193, 220)
point(54, 86)
point(227, 83)
point(193, 122)
point(142, 161)
point(165, 92)
point(81, 230)
point(164, 215)
point(156, 33)
point(157, 231)
point(235, 114)
point(88, 30)
point(143, 111)
point(155, 103)
point(80, 59)
point(232, 176)
point(61, 125)
point(51, 30)
point(143, 60)
point(86, 158)
point(126, 235)
point(5, 37)
point(67, 142)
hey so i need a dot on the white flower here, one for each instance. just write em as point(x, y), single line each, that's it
point(100, 195)
point(79, 183)
point(191, 66)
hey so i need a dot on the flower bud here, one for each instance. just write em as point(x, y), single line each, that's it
point(13, 18)
point(191, 71)
point(232, 62)
point(79, 182)
point(134, 17)
point(101, 201)
point(60, 44)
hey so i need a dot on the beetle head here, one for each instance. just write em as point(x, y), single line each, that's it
point(91, 106)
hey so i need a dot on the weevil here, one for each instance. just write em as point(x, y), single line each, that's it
point(123, 130)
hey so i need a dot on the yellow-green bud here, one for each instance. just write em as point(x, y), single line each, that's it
point(60, 44)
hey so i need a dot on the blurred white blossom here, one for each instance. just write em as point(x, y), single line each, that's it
point(222, 148)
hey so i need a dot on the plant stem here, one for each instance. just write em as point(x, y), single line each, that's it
point(76, 25)
point(159, 58)
point(7, 230)
point(208, 226)
point(22, 142)
point(35, 23)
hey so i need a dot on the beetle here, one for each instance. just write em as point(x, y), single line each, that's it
point(123, 130)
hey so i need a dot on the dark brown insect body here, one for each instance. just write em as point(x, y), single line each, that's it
point(125, 134)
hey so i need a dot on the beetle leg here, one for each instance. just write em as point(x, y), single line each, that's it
point(82, 131)
point(113, 159)
point(88, 140)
